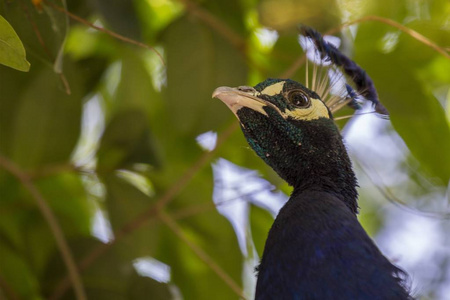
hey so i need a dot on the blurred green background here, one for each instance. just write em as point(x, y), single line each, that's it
point(105, 185)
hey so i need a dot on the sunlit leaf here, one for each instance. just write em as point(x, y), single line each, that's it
point(12, 52)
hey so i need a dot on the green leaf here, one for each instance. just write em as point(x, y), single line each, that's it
point(24, 228)
point(415, 112)
point(369, 216)
point(260, 221)
point(10, 215)
point(196, 280)
point(287, 14)
point(198, 61)
point(12, 52)
point(43, 34)
point(112, 276)
point(394, 10)
point(124, 203)
point(68, 199)
point(127, 140)
point(135, 90)
point(224, 9)
point(17, 274)
point(204, 227)
point(47, 122)
point(121, 16)
point(141, 287)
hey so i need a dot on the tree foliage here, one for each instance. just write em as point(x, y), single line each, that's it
point(102, 128)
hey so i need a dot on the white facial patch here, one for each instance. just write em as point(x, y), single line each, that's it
point(274, 89)
point(315, 111)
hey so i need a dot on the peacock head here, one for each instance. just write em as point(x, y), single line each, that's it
point(291, 129)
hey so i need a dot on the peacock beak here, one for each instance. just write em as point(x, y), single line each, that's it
point(237, 98)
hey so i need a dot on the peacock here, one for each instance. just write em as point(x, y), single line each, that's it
point(316, 248)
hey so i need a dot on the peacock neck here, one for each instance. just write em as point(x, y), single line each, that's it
point(323, 163)
point(308, 155)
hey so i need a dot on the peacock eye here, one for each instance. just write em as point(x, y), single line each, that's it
point(299, 99)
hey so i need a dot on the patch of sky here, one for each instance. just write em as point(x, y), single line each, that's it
point(152, 268)
point(207, 140)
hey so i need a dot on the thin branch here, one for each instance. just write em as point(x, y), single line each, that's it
point(215, 23)
point(109, 32)
point(401, 27)
point(65, 83)
point(141, 219)
point(52, 222)
point(200, 253)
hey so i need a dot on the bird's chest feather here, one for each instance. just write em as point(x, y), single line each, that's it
point(319, 250)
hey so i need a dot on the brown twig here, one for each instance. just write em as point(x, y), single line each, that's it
point(55, 228)
point(109, 32)
point(200, 253)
